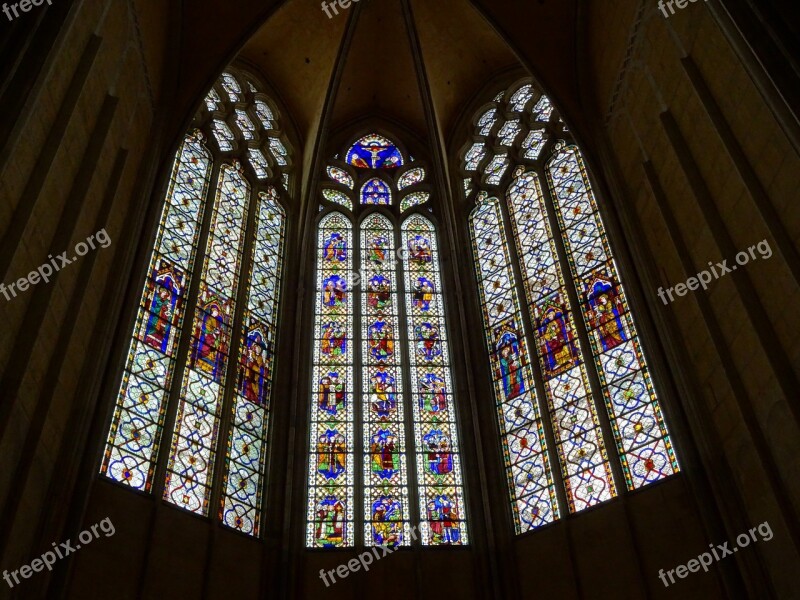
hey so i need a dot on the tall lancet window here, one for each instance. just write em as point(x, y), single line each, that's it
point(571, 381)
point(384, 453)
point(201, 355)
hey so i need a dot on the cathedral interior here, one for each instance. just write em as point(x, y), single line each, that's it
point(465, 298)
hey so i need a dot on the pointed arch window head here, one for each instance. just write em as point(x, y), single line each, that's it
point(374, 152)
point(376, 191)
point(562, 342)
point(212, 288)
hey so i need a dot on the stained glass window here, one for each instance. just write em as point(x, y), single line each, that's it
point(212, 100)
point(409, 178)
point(278, 151)
point(414, 199)
point(487, 121)
point(218, 391)
point(264, 114)
point(391, 334)
point(331, 477)
point(374, 152)
point(341, 176)
point(376, 191)
point(571, 350)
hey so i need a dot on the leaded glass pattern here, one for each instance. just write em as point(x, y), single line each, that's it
point(245, 124)
point(386, 499)
point(331, 476)
point(641, 434)
point(246, 451)
point(223, 135)
point(220, 386)
point(259, 162)
point(414, 199)
point(264, 114)
point(584, 463)
point(527, 461)
point(341, 176)
point(509, 132)
point(136, 427)
point(487, 121)
point(441, 492)
point(337, 197)
point(194, 442)
point(575, 306)
point(409, 178)
point(374, 152)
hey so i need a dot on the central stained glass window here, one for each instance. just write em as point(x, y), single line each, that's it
point(384, 456)
point(579, 415)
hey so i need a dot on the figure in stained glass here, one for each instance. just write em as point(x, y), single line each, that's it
point(163, 292)
point(423, 293)
point(433, 393)
point(334, 291)
point(379, 292)
point(420, 249)
point(387, 521)
point(333, 341)
point(331, 393)
point(378, 246)
point(381, 344)
point(384, 458)
point(255, 373)
point(331, 449)
point(374, 152)
point(429, 346)
point(508, 361)
point(443, 519)
point(440, 456)
point(606, 314)
point(383, 400)
point(335, 248)
point(375, 191)
point(209, 345)
point(329, 531)
point(557, 346)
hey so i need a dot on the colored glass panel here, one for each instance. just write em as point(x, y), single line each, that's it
point(136, 427)
point(376, 191)
point(331, 496)
point(509, 132)
point(386, 500)
point(533, 498)
point(264, 114)
point(487, 121)
point(641, 434)
point(584, 462)
point(259, 163)
point(374, 152)
point(414, 199)
point(337, 197)
point(246, 451)
point(231, 86)
point(194, 441)
point(520, 98)
point(409, 178)
point(245, 124)
point(223, 135)
point(438, 460)
point(341, 176)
